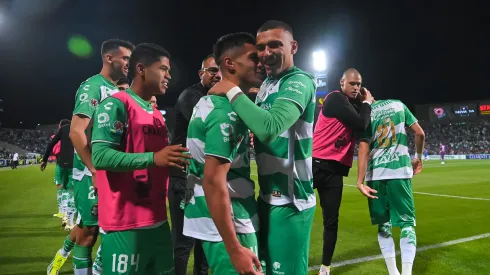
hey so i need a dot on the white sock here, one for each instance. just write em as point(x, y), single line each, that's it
point(387, 246)
point(83, 271)
point(64, 203)
point(407, 269)
point(408, 247)
point(64, 253)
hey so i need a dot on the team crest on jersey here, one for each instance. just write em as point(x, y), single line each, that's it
point(117, 127)
point(94, 103)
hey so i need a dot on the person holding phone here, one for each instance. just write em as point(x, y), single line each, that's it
point(344, 113)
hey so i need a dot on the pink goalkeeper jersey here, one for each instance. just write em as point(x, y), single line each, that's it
point(135, 199)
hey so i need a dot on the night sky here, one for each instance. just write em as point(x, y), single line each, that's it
point(416, 51)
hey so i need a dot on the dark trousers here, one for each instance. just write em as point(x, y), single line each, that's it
point(329, 185)
point(181, 243)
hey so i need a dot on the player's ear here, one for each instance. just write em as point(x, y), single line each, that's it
point(140, 69)
point(294, 47)
point(201, 73)
point(229, 64)
point(342, 81)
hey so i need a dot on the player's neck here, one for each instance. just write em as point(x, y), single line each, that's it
point(138, 89)
point(108, 74)
point(245, 87)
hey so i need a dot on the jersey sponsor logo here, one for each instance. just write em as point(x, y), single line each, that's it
point(102, 118)
point(384, 159)
point(277, 266)
point(294, 89)
point(86, 87)
point(117, 127)
point(83, 97)
point(382, 114)
point(341, 142)
point(266, 106)
point(226, 131)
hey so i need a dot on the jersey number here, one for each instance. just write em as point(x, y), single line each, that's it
point(384, 131)
point(91, 193)
point(120, 263)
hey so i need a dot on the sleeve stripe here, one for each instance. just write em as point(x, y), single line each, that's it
point(80, 113)
point(218, 156)
point(286, 98)
point(105, 141)
point(413, 123)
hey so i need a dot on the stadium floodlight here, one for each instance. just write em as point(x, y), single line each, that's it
point(319, 61)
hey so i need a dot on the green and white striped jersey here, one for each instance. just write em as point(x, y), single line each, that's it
point(90, 93)
point(215, 130)
point(389, 157)
point(285, 165)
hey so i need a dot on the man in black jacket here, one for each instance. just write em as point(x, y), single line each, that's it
point(209, 75)
point(63, 172)
point(344, 113)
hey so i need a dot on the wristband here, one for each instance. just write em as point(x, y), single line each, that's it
point(233, 92)
point(365, 101)
point(419, 156)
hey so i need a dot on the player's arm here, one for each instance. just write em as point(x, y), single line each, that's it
point(294, 95)
point(219, 154)
point(109, 125)
point(338, 106)
point(107, 135)
point(87, 99)
point(412, 122)
point(362, 165)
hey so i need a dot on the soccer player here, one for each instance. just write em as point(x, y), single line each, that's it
point(344, 113)
point(209, 75)
point(59, 186)
point(115, 57)
point(64, 166)
point(283, 127)
point(443, 152)
point(132, 156)
point(426, 154)
point(222, 212)
point(123, 84)
point(15, 160)
point(384, 162)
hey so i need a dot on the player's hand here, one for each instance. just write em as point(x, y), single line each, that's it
point(366, 190)
point(251, 137)
point(222, 87)
point(416, 165)
point(172, 156)
point(94, 182)
point(244, 261)
point(366, 95)
point(43, 165)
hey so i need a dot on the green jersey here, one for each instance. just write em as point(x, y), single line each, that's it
point(388, 141)
point(91, 92)
point(215, 130)
point(285, 165)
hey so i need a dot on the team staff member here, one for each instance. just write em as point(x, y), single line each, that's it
point(209, 75)
point(342, 115)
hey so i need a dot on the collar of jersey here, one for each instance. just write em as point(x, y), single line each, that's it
point(139, 100)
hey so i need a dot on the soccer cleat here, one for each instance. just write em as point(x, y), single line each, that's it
point(324, 270)
point(64, 221)
point(58, 215)
point(55, 265)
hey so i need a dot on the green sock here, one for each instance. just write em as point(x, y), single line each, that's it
point(67, 247)
point(82, 258)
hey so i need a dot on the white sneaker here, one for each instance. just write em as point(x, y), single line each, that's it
point(324, 270)
point(64, 222)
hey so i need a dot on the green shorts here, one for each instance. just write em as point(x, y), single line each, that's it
point(394, 203)
point(138, 251)
point(62, 176)
point(218, 259)
point(284, 238)
point(85, 200)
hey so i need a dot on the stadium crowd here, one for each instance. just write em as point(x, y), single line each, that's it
point(33, 141)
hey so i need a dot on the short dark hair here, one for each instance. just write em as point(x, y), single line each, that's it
point(230, 41)
point(64, 122)
point(122, 81)
point(208, 57)
point(146, 53)
point(114, 44)
point(275, 24)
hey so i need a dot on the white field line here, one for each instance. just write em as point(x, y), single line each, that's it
point(440, 195)
point(419, 249)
